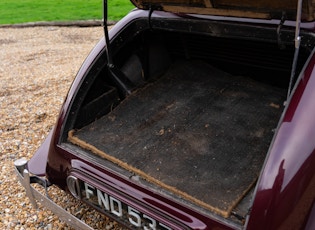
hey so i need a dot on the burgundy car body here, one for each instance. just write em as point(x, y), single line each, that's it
point(284, 196)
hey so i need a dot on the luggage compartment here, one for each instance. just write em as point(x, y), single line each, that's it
point(198, 132)
point(198, 125)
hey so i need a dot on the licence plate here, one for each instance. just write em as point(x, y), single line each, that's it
point(112, 206)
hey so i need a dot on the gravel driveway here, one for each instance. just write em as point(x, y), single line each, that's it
point(37, 66)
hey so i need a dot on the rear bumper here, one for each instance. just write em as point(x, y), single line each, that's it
point(36, 196)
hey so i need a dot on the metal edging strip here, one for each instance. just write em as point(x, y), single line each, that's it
point(35, 195)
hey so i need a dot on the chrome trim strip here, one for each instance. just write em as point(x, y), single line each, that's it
point(34, 196)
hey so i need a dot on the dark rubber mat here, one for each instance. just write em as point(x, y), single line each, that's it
point(199, 132)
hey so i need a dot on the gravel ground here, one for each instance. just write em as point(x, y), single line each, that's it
point(37, 66)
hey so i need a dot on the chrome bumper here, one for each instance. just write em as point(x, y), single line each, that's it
point(35, 196)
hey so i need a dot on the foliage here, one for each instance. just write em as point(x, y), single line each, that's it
point(19, 11)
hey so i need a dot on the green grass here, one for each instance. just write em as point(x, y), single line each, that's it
point(20, 11)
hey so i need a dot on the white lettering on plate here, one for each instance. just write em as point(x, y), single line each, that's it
point(119, 209)
point(103, 200)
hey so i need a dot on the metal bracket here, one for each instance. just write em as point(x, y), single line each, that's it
point(150, 16)
point(280, 43)
point(34, 196)
point(125, 85)
point(297, 42)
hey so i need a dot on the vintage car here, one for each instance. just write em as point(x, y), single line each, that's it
point(190, 115)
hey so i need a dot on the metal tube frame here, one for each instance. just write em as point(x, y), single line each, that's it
point(35, 196)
